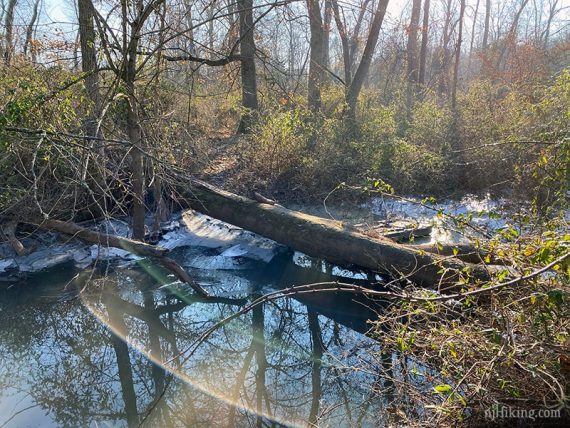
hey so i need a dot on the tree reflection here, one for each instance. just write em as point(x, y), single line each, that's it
point(318, 349)
point(285, 363)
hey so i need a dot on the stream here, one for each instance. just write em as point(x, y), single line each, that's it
point(96, 337)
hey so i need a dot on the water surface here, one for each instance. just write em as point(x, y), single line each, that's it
point(112, 346)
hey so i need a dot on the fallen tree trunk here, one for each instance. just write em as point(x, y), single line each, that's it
point(135, 247)
point(328, 239)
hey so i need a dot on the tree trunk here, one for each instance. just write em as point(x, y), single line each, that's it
point(413, 42)
point(551, 13)
point(258, 330)
point(9, 232)
point(457, 56)
point(28, 44)
point(137, 162)
point(413, 72)
point(511, 37)
point(485, 43)
point(190, 70)
point(324, 238)
point(354, 37)
point(2, 12)
point(444, 55)
point(133, 246)
point(318, 349)
point(316, 61)
point(345, 44)
point(9, 32)
point(327, 36)
point(119, 343)
point(473, 28)
point(248, 76)
point(423, 49)
point(89, 63)
point(211, 29)
point(366, 60)
point(130, 50)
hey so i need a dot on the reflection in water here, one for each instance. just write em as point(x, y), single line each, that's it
point(318, 348)
point(286, 363)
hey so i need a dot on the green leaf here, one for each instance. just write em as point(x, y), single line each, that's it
point(443, 388)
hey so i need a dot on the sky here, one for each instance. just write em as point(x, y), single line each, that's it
point(63, 12)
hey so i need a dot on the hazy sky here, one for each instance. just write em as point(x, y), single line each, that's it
point(63, 13)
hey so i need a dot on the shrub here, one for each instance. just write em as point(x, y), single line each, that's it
point(38, 171)
point(431, 126)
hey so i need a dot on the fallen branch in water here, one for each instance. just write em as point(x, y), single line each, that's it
point(130, 245)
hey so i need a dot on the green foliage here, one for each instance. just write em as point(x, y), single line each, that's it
point(37, 98)
point(500, 345)
point(278, 143)
point(416, 169)
point(430, 126)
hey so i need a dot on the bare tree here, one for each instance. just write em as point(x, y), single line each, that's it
point(413, 42)
point(444, 56)
point(9, 34)
point(457, 56)
point(552, 12)
point(344, 41)
point(423, 49)
point(317, 57)
point(122, 57)
point(355, 36)
point(248, 74)
point(349, 41)
point(511, 37)
point(473, 28)
point(30, 32)
point(364, 65)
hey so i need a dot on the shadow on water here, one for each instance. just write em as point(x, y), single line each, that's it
point(109, 348)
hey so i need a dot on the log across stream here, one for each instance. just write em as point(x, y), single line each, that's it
point(328, 239)
point(322, 238)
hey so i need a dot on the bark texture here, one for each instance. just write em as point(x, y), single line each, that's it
point(317, 57)
point(89, 62)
